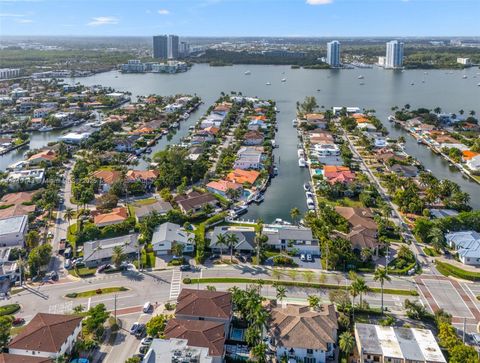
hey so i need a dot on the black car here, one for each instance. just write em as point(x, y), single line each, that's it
point(141, 331)
point(144, 349)
point(185, 268)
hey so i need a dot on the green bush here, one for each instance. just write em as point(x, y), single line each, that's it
point(451, 270)
point(187, 280)
point(9, 309)
point(282, 260)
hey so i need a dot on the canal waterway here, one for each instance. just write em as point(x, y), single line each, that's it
point(381, 90)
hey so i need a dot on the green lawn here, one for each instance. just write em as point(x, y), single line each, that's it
point(451, 270)
point(89, 293)
point(430, 252)
point(147, 201)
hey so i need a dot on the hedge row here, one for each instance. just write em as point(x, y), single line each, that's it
point(451, 270)
point(313, 285)
point(9, 309)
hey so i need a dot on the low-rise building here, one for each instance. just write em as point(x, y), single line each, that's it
point(291, 238)
point(245, 239)
point(46, 156)
point(181, 350)
point(194, 201)
point(467, 246)
point(300, 333)
point(146, 177)
point(384, 344)
point(13, 231)
point(222, 187)
point(20, 179)
point(101, 251)
point(159, 206)
point(47, 335)
point(474, 163)
point(249, 157)
point(252, 138)
point(75, 138)
point(241, 176)
point(117, 215)
point(107, 178)
point(167, 234)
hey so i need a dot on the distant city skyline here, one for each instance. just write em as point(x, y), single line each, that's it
point(289, 18)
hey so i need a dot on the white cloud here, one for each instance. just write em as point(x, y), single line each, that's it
point(24, 21)
point(319, 2)
point(11, 15)
point(163, 12)
point(103, 20)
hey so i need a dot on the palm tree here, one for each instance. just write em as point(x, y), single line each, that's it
point(232, 241)
point(294, 214)
point(221, 241)
point(436, 238)
point(361, 287)
point(281, 292)
point(118, 256)
point(177, 249)
point(381, 274)
point(259, 352)
point(68, 215)
point(346, 343)
point(313, 301)
point(259, 238)
point(354, 293)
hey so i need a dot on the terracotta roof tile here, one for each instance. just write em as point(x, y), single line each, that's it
point(203, 303)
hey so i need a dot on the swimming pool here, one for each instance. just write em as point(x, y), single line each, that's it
point(318, 172)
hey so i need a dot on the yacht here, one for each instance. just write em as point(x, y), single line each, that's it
point(259, 198)
point(175, 124)
point(464, 76)
point(238, 211)
point(412, 84)
point(360, 77)
point(362, 83)
point(191, 128)
point(294, 123)
point(45, 128)
point(391, 118)
point(307, 187)
point(268, 84)
point(275, 170)
point(247, 73)
point(302, 163)
point(284, 80)
point(300, 153)
point(165, 132)
point(309, 195)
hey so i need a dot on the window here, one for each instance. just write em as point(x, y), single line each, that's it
point(309, 351)
point(309, 360)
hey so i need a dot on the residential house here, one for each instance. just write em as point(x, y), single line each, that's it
point(317, 119)
point(76, 138)
point(205, 305)
point(408, 171)
point(363, 229)
point(36, 123)
point(116, 216)
point(126, 144)
point(14, 358)
point(338, 174)
point(375, 343)
point(195, 152)
point(458, 146)
point(20, 179)
point(241, 176)
point(319, 136)
point(107, 178)
point(158, 206)
point(16, 204)
point(197, 333)
point(291, 238)
point(169, 350)
point(467, 246)
point(300, 333)
point(41, 112)
point(194, 201)
point(47, 336)
point(101, 251)
point(249, 157)
point(13, 231)
point(245, 239)
point(146, 177)
point(222, 187)
point(168, 234)
point(46, 156)
point(257, 124)
point(468, 155)
point(367, 127)
point(252, 138)
point(474, 163)
point(326, 149)
point(202, 136)
point(442, 213)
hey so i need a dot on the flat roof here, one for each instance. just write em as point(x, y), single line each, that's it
point(13, 224)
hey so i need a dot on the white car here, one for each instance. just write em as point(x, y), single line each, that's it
point(302, 257)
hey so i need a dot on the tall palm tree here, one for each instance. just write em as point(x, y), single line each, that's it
point(354, 293)
point(362, 287)
point(281, 292)
point(346, 343)
point(232, 240)
point(259, 239)
point(313, 301)
point(68, 215)
point(437, 238)
point(381, 274)
point(294, 214)
point(118, 256)
point(221, 241)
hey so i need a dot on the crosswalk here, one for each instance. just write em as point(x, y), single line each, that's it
point(62, 308)
point(176, 284)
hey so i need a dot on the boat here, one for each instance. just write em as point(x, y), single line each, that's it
point(307, 187)
point(259, 198)
point(281, 222)
point(318, 90)
point(284, 80)
point(268, 84)
point(391, 118)
point(45, 128)
point(238, 211)
point(175, 124)
point(309, 195)
point(275, 170)
point(360, 77)
point(247, 73)
point(478, 84)
point(420, 141)
point(294, 123)
point(412, 84)
point(165, 132)
point(186, 115)
point(300, 153)
point(464, 76)
point(302, 163)
point(274, 144)
point(191, 128)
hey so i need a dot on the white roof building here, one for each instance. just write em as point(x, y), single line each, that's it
point(474, 163)
point(75, 137)
point(467, 245)
point(13, 230)
point(176, 350)
point(167, 234)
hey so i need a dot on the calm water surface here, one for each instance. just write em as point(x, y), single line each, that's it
point(381, 90)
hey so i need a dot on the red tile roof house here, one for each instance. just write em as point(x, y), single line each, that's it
point(47, 335)
point(107, 178)
point(117, 215)
point(14, 358)
point(47, 156)
point(222, 186)
point(253, 138)
point(146, 177)
point(338, 174)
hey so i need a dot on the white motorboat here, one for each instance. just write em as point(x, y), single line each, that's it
point(360, 77)
point(391, 118)
point(294, 123)
point(268, 84)
point(307, 187)
point(45, 128)
point(478, 84)
point(284, 80)
point(275, 170)
point(464, 76)
point(247, 73)
point(302, 163)
point(300, 153)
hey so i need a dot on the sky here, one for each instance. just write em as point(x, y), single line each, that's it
point(317, 18)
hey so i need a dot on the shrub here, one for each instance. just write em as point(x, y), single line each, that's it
point(72, 295)
point(187, 280)
point(98, 291)
point(9, 309)
point(282, 260)
point(450, 270)
point(170, 306)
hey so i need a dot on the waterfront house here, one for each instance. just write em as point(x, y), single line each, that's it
point(245, 239)
point(195, 152)
point(46, 156)
point(212, 120)
point(243, 176)
point(168, 234)
point(467, 246)
point(100, 252)
point(46, 336)
point(16, 204)
point(363, 229)
point(291, 238)
point(252, 138)
point(170, 350)
point(143, 210)
point(21, 179)
point(338, 174)
point(126, 144)
point(468, 155)
point(249, 158)
point(407, 171)
point(36, 123)
point(316, 119)
point(458, 146)
point(375, 343)
point(221, 187)
point(257, 124)
point(194, 201)
point(107, 178)
point(326, 149)
point(76, 137)
point(474, 163)
point(368, 127)
point(146, 177)
point(300, 333)
point(318, 136)
point(13, 231)
point(116, 216)
point(41, 112)
point(202, 136)
point(203, 334)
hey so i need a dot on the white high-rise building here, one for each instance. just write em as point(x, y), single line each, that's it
point(333, 53)
point(394, 55)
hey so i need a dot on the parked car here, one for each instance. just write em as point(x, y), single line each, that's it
point(144, 349)
point(134, 327)
point(102, 268)
point(147, 307)
point(18, 321)
point(68, 264)
point(141, 331)
point(185, 268)
point(302, 257)
point(146, 341)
